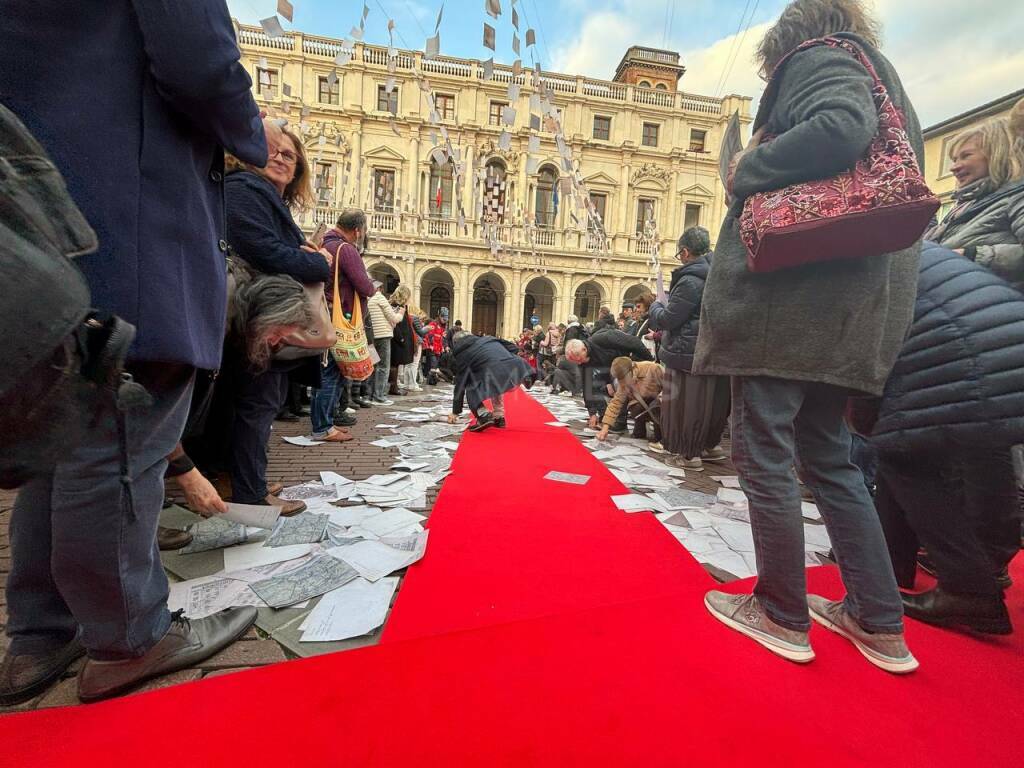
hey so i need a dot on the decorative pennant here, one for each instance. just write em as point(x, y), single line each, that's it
point(272, 27)
point(512, 92)
point(515, 43)
point(534, 122)
point(389, 85)
point(489, 69)
point(433, 47)
point(391, 26)
point(305, 111)
point(493, 8)
point(332, 78)
point(508, 115)
point(343, 58)
point(262, 62)
point(366, 11)
point(284, 9)
point(533, 145)
point(424, 85)
point(394, 129)
point(286, 89)
point(440, 13)
point(531, 37)
point(505, 141)
point(356, 33)
point(517, 68)
point(515, 18)
point(488, 35)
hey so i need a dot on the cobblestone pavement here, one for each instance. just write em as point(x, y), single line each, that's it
point(290, 465)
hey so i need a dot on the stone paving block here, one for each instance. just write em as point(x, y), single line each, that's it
point(63, 694)
point(222, 672)
point(248, 654)
point(176, 678)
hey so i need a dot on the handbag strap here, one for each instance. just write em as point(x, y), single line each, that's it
point(772, 90)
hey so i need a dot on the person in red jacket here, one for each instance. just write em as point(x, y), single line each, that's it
point(434, 344)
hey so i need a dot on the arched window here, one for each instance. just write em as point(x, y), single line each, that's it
point(644, 84)
point(440, 296)
point(440, 192)
point(661, 87)
point(546, 198)
point(495, 192)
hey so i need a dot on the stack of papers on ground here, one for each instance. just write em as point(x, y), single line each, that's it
point(376, 559)
point(321, 574)
point(353, 610)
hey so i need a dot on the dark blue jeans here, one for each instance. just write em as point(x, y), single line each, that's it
point(771, 420)
point(258, 400)
point(325, 399)
point(84, 553)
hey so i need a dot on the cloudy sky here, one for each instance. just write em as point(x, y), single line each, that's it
point(952, 55)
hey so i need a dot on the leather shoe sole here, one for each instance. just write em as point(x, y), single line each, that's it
point(103, 679)
point(171, 538)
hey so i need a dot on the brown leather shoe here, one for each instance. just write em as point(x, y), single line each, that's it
point(275, 488)
point(186, 643)
point(26, 675)
point(172, 538)
point(338, 435)
point(288, 508)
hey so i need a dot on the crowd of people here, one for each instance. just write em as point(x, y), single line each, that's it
point(193, 195)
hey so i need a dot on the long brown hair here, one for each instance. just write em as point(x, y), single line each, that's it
point(804, 20)
point(298, 195)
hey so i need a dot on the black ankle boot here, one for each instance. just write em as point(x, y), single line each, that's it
point(981, 613)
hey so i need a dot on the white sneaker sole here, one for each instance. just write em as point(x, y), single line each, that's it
point(778, 647)
point(889, 664)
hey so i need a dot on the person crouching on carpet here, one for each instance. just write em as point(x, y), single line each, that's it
point(485, 369)
point(638, 393)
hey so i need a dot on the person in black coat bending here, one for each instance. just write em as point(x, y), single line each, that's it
point(594, 356)
point(485, 369)
point(943, 428)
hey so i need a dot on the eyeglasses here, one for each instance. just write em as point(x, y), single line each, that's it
point(289, 157)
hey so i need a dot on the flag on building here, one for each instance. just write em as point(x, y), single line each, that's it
point(554, 198)
point(439, 198)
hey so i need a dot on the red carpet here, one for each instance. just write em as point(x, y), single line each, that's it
point(573, 669)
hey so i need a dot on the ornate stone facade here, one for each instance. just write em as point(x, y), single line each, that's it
point(641, 152)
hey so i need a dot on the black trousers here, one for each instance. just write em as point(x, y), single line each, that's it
point(641, 418)
point(960, 506)
point(258, 399)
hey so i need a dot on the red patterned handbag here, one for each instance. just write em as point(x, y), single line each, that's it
point(880, 205)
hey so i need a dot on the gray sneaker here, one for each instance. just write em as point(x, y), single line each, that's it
point(886, 651)
point(745, 614)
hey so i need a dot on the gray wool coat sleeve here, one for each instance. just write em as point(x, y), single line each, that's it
point(825, 123)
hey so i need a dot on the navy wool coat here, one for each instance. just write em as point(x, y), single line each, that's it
point(680, 319)
point(135, 101)
point(959, 379)
point(484, 368)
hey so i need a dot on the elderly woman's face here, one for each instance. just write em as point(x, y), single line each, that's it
point(283, 160)
point(969, 163)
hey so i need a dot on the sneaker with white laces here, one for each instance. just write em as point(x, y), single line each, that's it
point(677, 461)
point(656, 447)
point(745, 614)
point(886, 651)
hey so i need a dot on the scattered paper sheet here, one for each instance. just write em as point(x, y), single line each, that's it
point(304, 528)
point(728, 481)
point(284, 9)
point(567, 477)
point(732, 496)
point(376, 559)
point(253, 555)
point(214, 533)
point(314, 492)
point(302, 441)
point(272, 27)
point(387, 522)
point(208, 595)
point(634, 502)
point(352, 610)
point(809, 510)
point(319, 575)
point(556, 424)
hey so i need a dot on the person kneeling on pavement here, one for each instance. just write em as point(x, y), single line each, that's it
point(594, 355)
point(638, 392)
point(485, 369)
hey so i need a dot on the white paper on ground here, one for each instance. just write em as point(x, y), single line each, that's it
point(303, 441)
point(253, 515)
point(333, 478)
point(567, 477)
point(623, 463)
point(349, 516)
point(387, 522)
point(555, 424)
point(634, 502)
point(251, 555)
point(732, 496)
point(206, 596)
point(816, 538)
point(737, 535)
point(677, 473)
point(353, 610)
point(809, 510)
point(376, 559)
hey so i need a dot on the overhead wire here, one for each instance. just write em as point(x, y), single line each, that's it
point(739, 48)
point(735, 38)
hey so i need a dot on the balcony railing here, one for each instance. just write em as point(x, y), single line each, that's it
point(465, 69)
point(382, 222)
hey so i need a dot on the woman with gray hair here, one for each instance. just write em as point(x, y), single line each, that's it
point(798, 341)
point(694, 408)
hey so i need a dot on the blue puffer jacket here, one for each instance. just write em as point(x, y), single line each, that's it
point(680, 320)
point(959, 379)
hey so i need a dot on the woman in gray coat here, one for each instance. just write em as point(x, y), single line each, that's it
point(798, 341)
point(987, 223)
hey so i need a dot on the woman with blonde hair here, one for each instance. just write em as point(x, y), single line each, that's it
point(262, 232)
point(797, 342)
point(987, 223)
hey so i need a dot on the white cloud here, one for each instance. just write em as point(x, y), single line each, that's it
point(950, 56)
